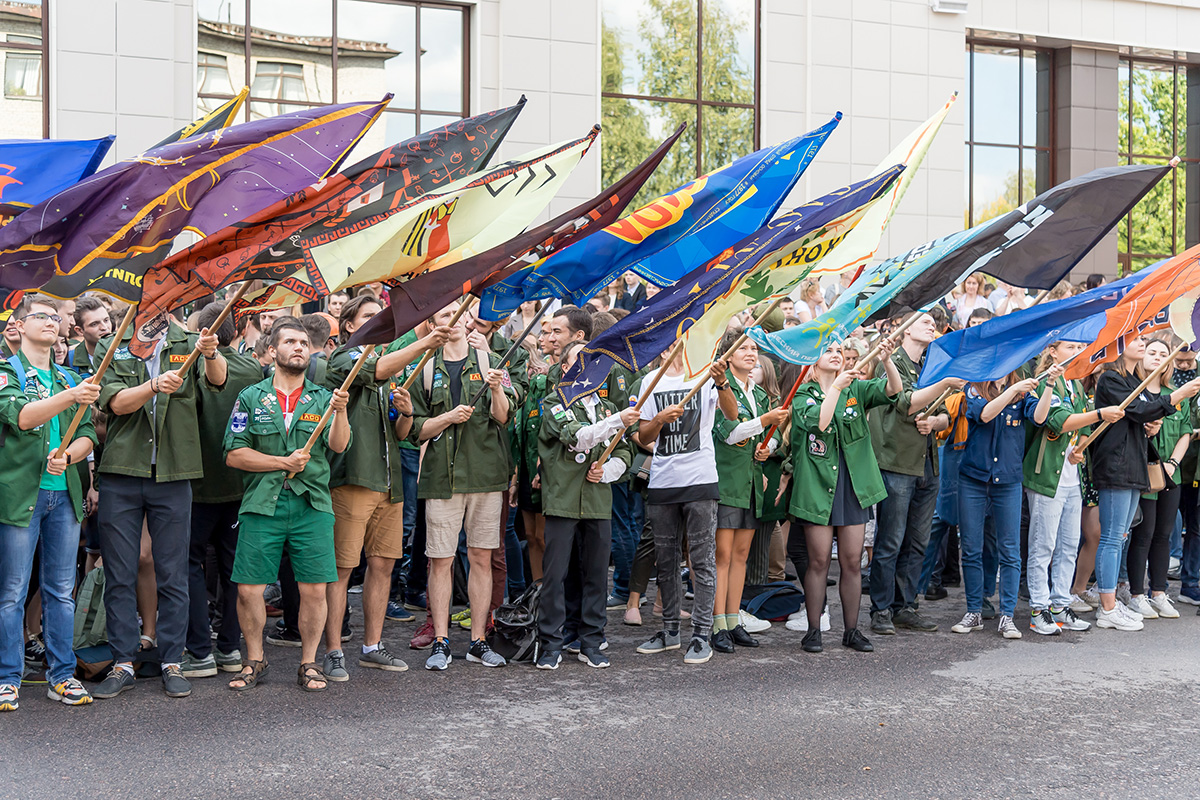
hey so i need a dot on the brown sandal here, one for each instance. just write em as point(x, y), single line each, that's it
point(305, 677)
point(258, 671)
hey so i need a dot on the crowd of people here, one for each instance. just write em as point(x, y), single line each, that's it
point(212, 505)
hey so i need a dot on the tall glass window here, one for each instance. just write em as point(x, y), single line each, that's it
point(23, 37)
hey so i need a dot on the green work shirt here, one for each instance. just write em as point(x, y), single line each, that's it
point(518, 367)
point(768, 505)
point(737, 470)
point(257, 423)
point(167, 425)
point(1175, 426)
point(526, 428)
point(566, 491)
point(23, 454)
point(815, 452)
point(373, 460)
point(80, 361)
point(899, 446)
point(467, 458)
point(221, 483)
point(401, 343)
point(1046, 447)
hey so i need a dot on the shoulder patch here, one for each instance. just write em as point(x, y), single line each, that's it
point(621, 383)
point(3, 381)
point(238, 421)
point(123, 354)
point(558, 411)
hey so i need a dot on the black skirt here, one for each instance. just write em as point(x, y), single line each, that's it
point(846, 510)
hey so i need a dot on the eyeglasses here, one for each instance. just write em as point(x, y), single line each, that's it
point(42, 316)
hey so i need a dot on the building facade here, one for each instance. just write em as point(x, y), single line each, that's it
point(1047, 89)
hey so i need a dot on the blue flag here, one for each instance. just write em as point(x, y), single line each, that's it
point(668, 237)
point(999, 346)
point(33, 169)
point(642, 336)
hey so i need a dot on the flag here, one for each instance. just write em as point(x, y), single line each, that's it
point(1184, 316)
point(639, 338)
point(266, 245)
point(88, 232)
point(669, 236)
point(1054, 231)
point(442, 227)
point(1144, 308)
point(415, 300)
point(33, 169)
point(995, 348)
point(220, 117)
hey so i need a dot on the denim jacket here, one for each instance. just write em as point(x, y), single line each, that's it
point(996, 449)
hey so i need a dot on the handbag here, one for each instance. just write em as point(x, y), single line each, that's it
point(1158, 476)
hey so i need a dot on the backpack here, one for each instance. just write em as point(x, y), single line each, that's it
point(773, 601)
point(14, 361)
point(91, 621)
point(514, 633)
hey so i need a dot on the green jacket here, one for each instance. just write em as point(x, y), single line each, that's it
point(738, 473)
point(79, 360)
point(221, 484)
point(1174, 427)
point(1046, 447)
point(467, 458)
point(525, 432)
point(373, 460)
point(766, 507)
point(566, 492)
point(168, 424)
point(899, 446)
point(23, 454)
point(518, 369)
point(257, 423)
point(815, 453)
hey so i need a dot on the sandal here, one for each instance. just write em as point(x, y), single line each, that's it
point(309, 674)
point(258, 671)
point(146, 643)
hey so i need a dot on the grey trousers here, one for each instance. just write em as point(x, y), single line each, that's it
point(670, 522)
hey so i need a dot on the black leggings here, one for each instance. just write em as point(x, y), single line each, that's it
point(819, 539)
point(1150, 541)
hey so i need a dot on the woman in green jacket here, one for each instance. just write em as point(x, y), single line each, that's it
point(836, 479)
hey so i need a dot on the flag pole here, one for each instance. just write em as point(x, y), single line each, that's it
point(787, 401)
point(733, 347)
point(874, 351)
point(1104, 425)
point(218, 322)
point(312, 439)
point(513, 348)
point(462, 309)
point(646, 392)
point(104, 362)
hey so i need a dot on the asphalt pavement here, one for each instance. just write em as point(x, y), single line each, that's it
point(1098, 714)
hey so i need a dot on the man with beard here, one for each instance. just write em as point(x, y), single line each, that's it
point(268, 429)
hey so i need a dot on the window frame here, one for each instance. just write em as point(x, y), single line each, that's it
point(43, 50)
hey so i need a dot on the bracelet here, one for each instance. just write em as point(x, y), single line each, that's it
point(722, 386)
point(405, 415)
point(213, 357)
point(154, 385)
point(1170, 461)
point(69, 459)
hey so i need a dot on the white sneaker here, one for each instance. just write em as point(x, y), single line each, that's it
point(1123, 595)
point(1129, 612)
point(1174, 566)
point(1162, 604)
point(1042, 622)
point(1008, 630)
point(751, 623)
point(1140, 605)
point(969, 622)
point(800, 623)
point(1068, 621)
point(1091, 597)
point(1081, 606)
point(1117, 620)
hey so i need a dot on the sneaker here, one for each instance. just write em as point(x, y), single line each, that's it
point(936, 593)
point(856, 641)
point(1190, 595)
point(1174, 567)
point(356, 589)
point(273, 595)
point(70, 693)
point(594, 658)
point(633, 617)
point(347, 634)
point(614, 601)
point(380, 658)
point(480, 653)
point(9, 697)
point(1008, 630)
point(1123, 594)
point(35, 653)
point(1162, 604)
point(463, 618)
point(811, 643)
point(910, 620)
point(440, 658)
point(881, 622)
point(334, 667)
point(423, 638)
point(1129, 612)
point(118, 680)
point(1091, 597)
point(282, 637)
point(741, 637)
point(661, 642)
point(1141, 604)
point(396, 612)
point(573, 646)
point(193, 667)
point(989, 610)
point(1042, 621)
point(1116, 620)
point(228, 662)
point(549, 660)
point(799, 621)
point(1081, 606)
point(1068, 621)
point(971, 621)
point(416, 602)
point(722, 642)
point(751, 623)
point(174, 684)
point(699, 651)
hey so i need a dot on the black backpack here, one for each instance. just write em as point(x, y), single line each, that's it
point(773, 601)
point(514, 633)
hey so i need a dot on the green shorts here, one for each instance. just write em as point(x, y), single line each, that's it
point(307, 534)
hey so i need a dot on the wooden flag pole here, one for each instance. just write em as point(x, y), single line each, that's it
point(312, 439)
point(733, 348)
point(646, 392)
point(503, 364)
point(224, 315)
point(874, 351)
point(1124, 403)
point(462, 309)
point(941, 398)
point(100, 370)
point(787, 401)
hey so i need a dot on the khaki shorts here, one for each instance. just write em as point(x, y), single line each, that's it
point(479, 513)
point(364, 520)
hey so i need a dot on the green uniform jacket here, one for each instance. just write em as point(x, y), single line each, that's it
point(1174, 428)
point(738, 474)
point(518, 369)
point(170, 423)
point(566, 490)
point(257, 423)
point(899, 446)
point(815, 453)
point(766, 507)
point(222, 484)
point(80, 361)
point(23, 454)
point(525, 433)
point(401, 343)
point(373, 460)
point(467, 458)
point(1044, 462)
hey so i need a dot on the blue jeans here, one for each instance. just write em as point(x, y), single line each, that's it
point(410, 465)
point(1117, 508)
point(628, 515)
point(55, 528)
point(1001, 501)
point(514, 559)
point(905, 517)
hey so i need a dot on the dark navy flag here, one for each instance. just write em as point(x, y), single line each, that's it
point(34, 169)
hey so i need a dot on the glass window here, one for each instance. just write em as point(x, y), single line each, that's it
point(277, 81)
point(212, 78)
point(664, 62)
point(1009, 137)
point(22, 53)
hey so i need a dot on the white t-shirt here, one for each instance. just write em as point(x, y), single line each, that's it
point(683, 454)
